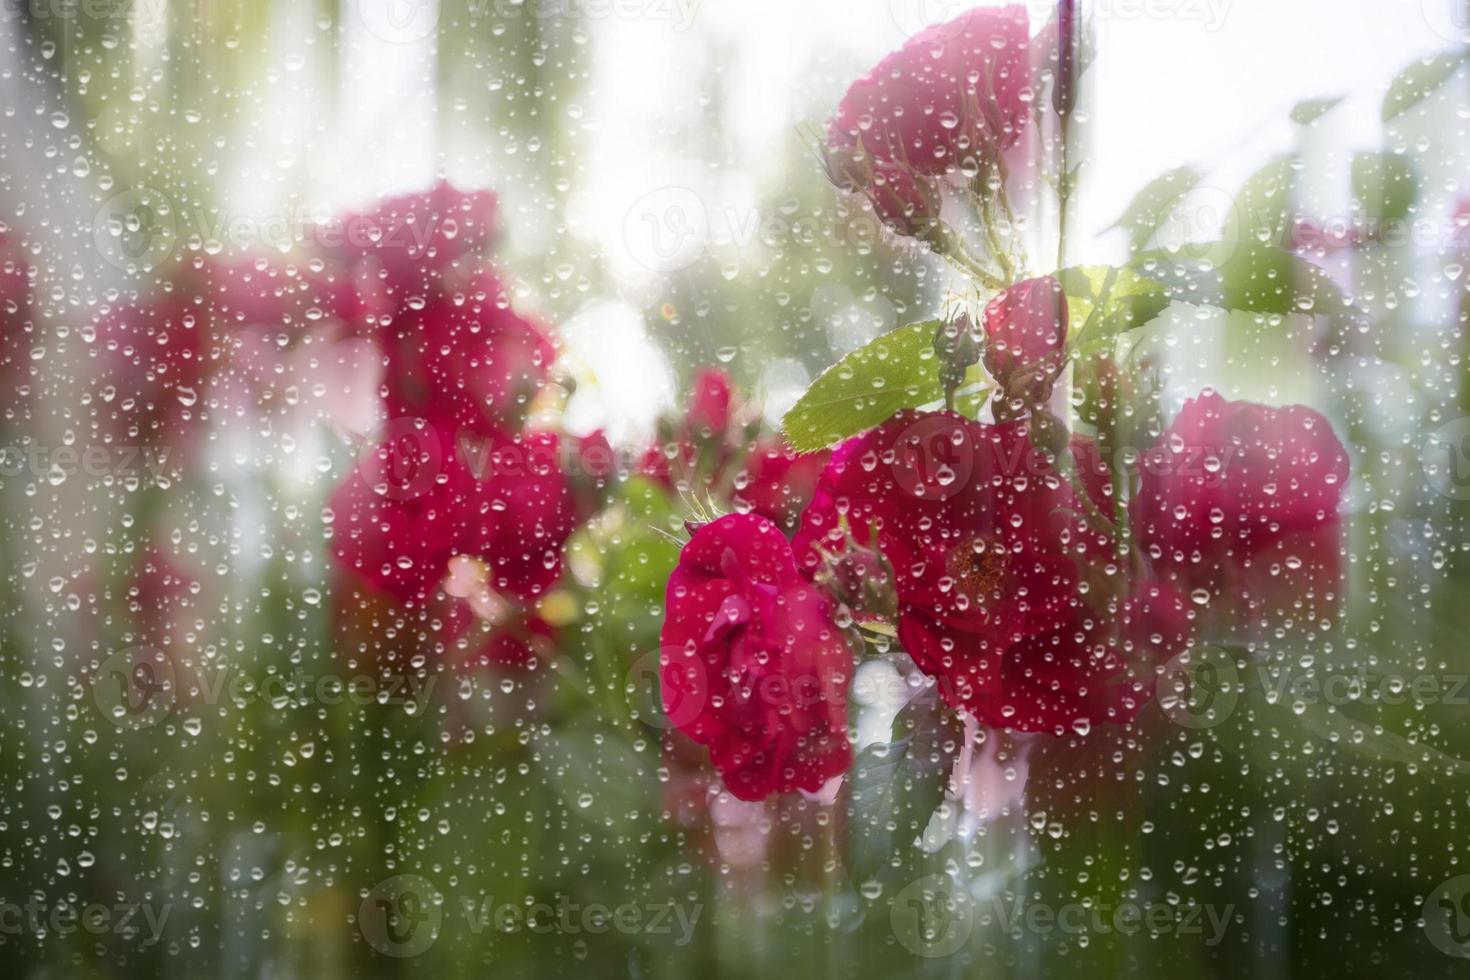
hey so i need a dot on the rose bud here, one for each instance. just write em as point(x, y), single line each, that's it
point(1026, 338)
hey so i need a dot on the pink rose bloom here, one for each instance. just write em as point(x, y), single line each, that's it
point(902, 202)
point(906, 203)
point(957, 90)
point(517, 645)
point(1026, 338)
point(752, 665)
point(1241, 500)
point(288, 294)
point(711, 403)
point(595, 465)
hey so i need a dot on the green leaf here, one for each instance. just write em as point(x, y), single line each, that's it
point(1328, 722)
point(895, 788)
point(1415, 83)
point(1244, 276)
point(599, 777)
point(1385, 185)
point(1152, 205)
point(1260, 214)
point(1308, 111)
point(1373, 742)
point(897, 370)
point(1104, 301)
point(970, 399)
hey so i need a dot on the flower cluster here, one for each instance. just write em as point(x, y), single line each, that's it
point(1038, 577)
point(404, 337)
point(457, 495)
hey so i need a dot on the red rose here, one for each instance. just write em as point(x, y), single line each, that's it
point(1240, 499)
point(150, 369)
point(1097, 668)
point(531, 513)
point(1026, 338)
point(980, 533)
point(954, 91)
point(906, 202)
point(15, 317)
point(703, 443)
point(753, 666)
point(776, 483)
point(283, 294)
point(455, 352)
point(464, 361)
point(407, 243)
point(596, 464)
point(516, 645)
point(710, 404)
point(415, 501)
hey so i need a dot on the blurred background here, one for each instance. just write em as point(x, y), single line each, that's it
point(663, 207)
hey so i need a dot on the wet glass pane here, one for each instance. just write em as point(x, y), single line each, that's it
point(661, 488)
